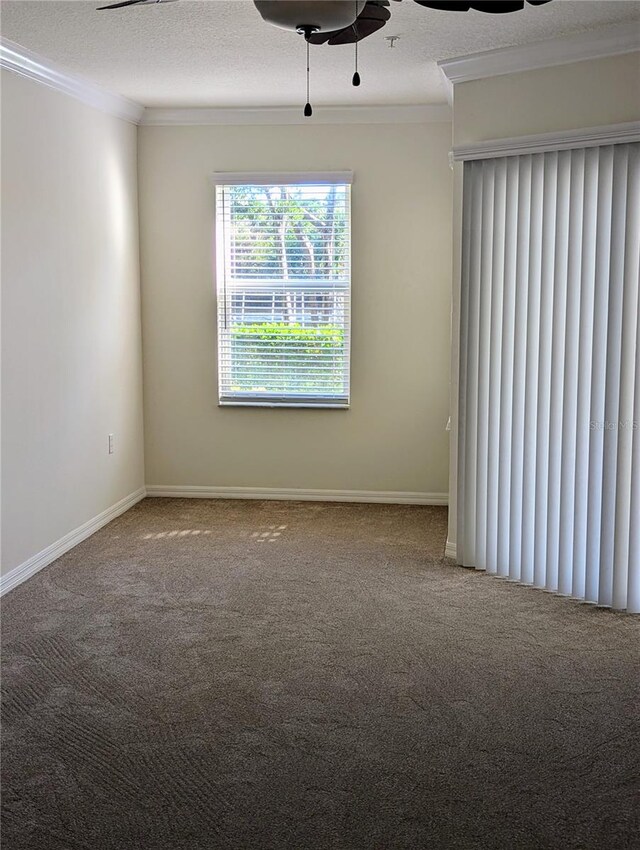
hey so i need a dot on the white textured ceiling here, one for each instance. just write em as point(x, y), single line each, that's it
point(221, 53)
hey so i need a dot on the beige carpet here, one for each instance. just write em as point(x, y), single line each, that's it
point(273, 675)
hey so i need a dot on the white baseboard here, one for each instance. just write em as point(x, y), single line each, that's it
point(451, 549)
point(371, 496)
point(42, 559)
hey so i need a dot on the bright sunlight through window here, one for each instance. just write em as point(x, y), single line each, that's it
point(284, 285)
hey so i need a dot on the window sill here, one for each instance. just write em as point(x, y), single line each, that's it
point(303, 405)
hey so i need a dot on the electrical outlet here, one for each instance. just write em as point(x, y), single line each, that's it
point(110, 444)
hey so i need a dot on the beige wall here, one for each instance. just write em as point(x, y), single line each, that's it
point(71, 354)
point(567, 97)
point(393, 437)
point(585, 94)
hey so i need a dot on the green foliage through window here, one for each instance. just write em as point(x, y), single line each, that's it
point(277, 357)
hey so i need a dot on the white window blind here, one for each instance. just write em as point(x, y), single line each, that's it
point(283, 284)
point(549, 404)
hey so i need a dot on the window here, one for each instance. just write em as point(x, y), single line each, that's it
point(284, 286)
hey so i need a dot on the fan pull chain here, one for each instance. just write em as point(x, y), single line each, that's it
point(355, 80)
point(308, 111)
point(356, 77)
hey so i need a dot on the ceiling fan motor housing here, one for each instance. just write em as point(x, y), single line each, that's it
point(321, 15)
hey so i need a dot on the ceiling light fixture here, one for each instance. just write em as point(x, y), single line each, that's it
point(322, 15)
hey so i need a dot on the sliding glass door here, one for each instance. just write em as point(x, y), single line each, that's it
point(549, 382)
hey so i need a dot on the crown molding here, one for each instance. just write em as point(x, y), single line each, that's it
point(611, 134)
point(594, 44)
point(448, 86)
point(19, 60)
point(437, 113)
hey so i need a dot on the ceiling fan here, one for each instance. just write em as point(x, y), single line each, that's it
point(362, 18)
point(335, 15)
point(347, 21)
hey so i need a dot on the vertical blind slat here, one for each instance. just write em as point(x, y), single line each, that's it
point(612, 380)
point(532, 354)
point(583, 392)
point(484, 342)
point(570, 379)
point(541, 448)
point(598, 372)
point(631, 273)
point(633, 578)
point(464, 345)
point(519, 366)
point(557, 367)
point(473, 328)
point(506, 382)
point(495, 363)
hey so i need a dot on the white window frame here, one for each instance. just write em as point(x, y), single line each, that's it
point(267, 179)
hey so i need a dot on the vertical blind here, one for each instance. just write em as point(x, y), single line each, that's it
point(283, 285)
point(549, 382)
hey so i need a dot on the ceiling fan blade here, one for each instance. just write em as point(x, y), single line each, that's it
point(123, 3)
point(490, 7)
point(497, 7)
point(372, 18)
point(452, 6)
